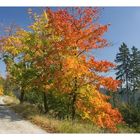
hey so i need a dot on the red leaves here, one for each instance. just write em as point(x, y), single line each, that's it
point(101, 66)
point(77, 28)
point(110, 83)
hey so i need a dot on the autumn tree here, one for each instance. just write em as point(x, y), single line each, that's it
point(13, 53)
point(78, 74)
point(42, 55)
point(56, 56)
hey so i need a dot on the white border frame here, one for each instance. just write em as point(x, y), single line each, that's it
point(69, 3)
point(70, 136)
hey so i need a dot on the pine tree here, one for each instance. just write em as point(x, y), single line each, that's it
point(123, 67)
point(135, 70)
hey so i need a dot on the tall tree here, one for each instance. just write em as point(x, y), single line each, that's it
point(135, 70)
point(78, 75)
point(123, 68)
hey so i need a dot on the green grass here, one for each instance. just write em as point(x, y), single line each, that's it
point(126, 129)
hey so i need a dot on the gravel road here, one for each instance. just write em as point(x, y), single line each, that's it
point(11, 123)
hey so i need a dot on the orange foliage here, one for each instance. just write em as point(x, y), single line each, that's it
point(79, 34)
point(98, 109)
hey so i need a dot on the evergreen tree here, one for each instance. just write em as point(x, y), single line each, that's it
point(135, 70)
point(123, 68)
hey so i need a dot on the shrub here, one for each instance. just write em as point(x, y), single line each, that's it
point(131, 115)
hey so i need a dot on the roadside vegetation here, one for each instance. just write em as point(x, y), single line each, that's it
point(55, 125)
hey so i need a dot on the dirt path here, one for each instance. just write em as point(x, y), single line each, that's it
point(11, 123)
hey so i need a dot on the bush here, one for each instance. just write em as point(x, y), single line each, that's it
point(131, 115)
point(58, 104)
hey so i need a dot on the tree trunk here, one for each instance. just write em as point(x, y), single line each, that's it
point(45, 102)
point(134, 91)
point(74, 95)
point(114, 101)
point(73, 106)
point(127, 89)
point(22, 96)
point(122, 93)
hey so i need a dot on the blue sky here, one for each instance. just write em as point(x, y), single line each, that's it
point(125, 27)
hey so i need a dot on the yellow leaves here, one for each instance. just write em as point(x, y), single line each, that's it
point(45, 15)
point(1, 90)
point(21, 33)
point(11, 49)
point(86, 115)
point(70, 62)
point(95, 108)
point(27, 57)
point(49, 86)
point(41, 22)
point(24, 48)
point(38, 52)
point(34, 26)
point(74, 66)
point(14, 45)
point(56, 38)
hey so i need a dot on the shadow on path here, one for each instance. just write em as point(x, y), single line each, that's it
point(6, 113)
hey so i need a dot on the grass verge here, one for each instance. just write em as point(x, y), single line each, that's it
point(52, 125)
